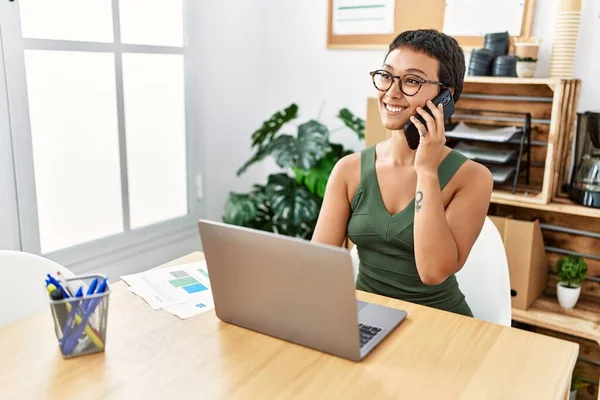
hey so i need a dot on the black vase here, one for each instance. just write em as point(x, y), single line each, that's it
point(505, 66)
point(481, 62)
point(498, 43)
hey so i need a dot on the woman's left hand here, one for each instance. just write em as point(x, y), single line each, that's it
point(433, 138)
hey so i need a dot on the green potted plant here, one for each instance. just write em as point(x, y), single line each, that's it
point(526, 67)
point(289, 202)
point(576, 384)
point(571, 271)
point(526, 51)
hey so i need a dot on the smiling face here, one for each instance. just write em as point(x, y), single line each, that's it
point(396, 107)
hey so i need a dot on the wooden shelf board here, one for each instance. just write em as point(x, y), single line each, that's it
point(557, 206)
point(508, 80)
point(583, 321)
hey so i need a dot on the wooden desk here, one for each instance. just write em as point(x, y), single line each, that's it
point(152, 354)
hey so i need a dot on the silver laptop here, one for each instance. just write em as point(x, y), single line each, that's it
point(293, 290)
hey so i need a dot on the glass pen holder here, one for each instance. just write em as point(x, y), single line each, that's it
point(80, 322)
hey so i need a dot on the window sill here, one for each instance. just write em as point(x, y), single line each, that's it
point(98, 255)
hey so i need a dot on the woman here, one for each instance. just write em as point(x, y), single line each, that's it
point(414, 215)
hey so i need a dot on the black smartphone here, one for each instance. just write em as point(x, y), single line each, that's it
point(410, 130)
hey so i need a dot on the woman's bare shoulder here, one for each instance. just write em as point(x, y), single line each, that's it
point(349, 163)
point(476, 174)
point(347, 170)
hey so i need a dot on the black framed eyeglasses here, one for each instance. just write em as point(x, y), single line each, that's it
point(409, 84)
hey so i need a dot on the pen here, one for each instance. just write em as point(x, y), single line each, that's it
point(60, 308)
point(73, 336)
point(92, 287)
point(58, 285)
point(68, 324)
point(64, 282)
point(56, 294)
point(83, 343)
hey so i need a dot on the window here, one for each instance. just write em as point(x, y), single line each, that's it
point(9, 223)
point(97, 104)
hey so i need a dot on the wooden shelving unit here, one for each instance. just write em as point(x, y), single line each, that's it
point(512, 81)
point(551, 104)
point(557, 205)
point(582, 321)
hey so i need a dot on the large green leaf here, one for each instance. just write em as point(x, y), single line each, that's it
point(247, 209)
point(304, 151)
point(260, 154)
point(240, 209)
point(294, 208)
point(316, 178)
point(284, 148)
point(264, 220)
point(353, 122)
point(339, 151)
point(304, 231)
point(262, 137)
point(270, 127)
point(313, 143)
point(264, 215)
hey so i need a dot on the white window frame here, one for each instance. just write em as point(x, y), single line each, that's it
point(111, 248)
point(9, 221)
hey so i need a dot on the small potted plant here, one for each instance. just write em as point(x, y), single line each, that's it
point(571, 271)
point(526, 51)
point(526, 67)
point(576, 384)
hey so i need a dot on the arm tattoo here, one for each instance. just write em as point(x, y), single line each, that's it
point(418, 200)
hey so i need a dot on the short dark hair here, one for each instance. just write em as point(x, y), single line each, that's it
point(440, 46)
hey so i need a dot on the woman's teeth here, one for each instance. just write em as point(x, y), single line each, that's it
point(393, 108)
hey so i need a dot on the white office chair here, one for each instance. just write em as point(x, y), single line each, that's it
point(23, 292)
point(484, 278)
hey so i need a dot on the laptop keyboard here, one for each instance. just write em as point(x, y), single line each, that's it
point(367, 333)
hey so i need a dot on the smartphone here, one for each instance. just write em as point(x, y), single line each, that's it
point(410, 130)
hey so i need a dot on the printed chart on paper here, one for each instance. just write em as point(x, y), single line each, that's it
point(363, 17)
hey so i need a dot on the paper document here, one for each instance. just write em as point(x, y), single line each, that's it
point(363, 17)
point(500, 173)
point(464, 131)
point(189, 309)
point(484, 154)
point(183, 290)
point(478, 17)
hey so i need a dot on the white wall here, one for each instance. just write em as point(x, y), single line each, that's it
point(588, 57)
point(227, 52)
point(285, 50)
point(303, 70)
point(587, 65)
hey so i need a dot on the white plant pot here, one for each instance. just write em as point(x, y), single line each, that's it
point(526, 69)
point(573, 395)
point(567, 297)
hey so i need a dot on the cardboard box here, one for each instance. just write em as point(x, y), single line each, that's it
point(527, 261)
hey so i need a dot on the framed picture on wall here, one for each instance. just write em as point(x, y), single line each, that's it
point(373, 24)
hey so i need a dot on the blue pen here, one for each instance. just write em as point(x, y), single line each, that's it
point(58, 285)
point(71, 341)
point(89, 292)
point(69, 323)
point(92, 287)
